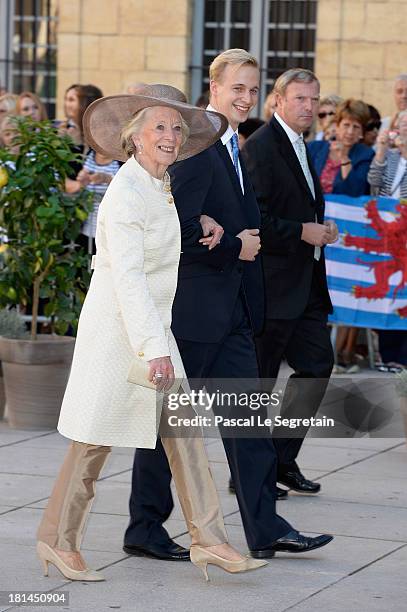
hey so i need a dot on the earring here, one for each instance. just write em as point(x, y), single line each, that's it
point(140, 149)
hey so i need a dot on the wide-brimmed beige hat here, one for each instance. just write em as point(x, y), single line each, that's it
point(105, 118)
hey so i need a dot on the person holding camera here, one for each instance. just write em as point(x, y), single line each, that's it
point(388, 172)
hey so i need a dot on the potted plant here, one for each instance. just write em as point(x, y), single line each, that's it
point(401, 387)
point(11, 326)
point(39, 261)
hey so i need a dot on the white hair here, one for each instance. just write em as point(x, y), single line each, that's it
point(135, 125)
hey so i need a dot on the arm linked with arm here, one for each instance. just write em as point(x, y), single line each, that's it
point(191, 181)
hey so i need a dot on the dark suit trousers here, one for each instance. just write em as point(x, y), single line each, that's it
point(305, 343)
point(252, 461)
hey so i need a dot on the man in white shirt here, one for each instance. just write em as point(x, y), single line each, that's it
point(293, 234)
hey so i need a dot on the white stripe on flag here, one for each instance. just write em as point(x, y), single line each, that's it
point(336, 210)
point(382, 306)
point(339, 244)
point(356, 272)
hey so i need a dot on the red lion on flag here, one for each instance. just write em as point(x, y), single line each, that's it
point(392, 241)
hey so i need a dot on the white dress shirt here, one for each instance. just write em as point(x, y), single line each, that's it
point(294, 138)
point(226, 140)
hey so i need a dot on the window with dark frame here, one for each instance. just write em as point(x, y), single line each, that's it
point(29, 58)
point(280, 33)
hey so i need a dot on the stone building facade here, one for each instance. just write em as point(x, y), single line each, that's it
point(113, 43)
point(356, 47)
point(361, 46)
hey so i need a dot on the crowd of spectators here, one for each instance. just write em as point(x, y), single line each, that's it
point(354, 151)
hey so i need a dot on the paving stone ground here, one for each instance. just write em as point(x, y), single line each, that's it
point(363, 502)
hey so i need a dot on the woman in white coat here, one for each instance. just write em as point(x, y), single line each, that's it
point(125, 321)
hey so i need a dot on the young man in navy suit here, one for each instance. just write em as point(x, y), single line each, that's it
point(293, 234)
point(217, 309)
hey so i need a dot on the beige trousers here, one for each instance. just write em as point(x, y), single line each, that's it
point(65, 516)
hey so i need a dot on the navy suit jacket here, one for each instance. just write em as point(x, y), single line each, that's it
point(209, 282)
point(355, 183)
point(286, 202)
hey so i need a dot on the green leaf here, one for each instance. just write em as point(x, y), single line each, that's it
point(81, 214)
point(41, 222)
point(26, 181)
point(62, 154)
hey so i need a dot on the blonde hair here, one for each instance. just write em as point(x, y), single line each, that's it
point(231, 57)
point(135, 125)
point(8, 122)
point(9, 100)
point(268, 105)
point(35, 99)
point(294, 75)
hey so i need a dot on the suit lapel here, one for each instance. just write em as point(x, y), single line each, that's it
point(224, 153)
point(290, 156)
point(251, 207)
point(248, 208)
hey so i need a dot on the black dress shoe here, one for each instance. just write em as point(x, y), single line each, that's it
point(293, 542)
point(232, 489)
point(281, 493)
point(298, 482)
point(166, 551)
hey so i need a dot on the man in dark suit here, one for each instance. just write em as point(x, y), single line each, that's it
point(293, 233)
point(217, 308)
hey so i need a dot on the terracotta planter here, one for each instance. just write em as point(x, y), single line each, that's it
point(35, 377)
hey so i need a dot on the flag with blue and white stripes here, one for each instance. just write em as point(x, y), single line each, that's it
point(367, 266)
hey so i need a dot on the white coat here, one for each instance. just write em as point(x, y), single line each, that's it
point(126, 313)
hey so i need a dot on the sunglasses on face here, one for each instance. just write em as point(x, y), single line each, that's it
point(373, 125)
point(323, 114)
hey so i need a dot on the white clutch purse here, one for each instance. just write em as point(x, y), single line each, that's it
point(138, 375)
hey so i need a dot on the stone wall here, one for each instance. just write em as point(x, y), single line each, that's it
point(361, 46)
point(112, 43)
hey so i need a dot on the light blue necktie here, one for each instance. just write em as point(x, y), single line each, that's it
point(235, 152)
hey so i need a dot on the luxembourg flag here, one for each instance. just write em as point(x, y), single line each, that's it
point(367, 266)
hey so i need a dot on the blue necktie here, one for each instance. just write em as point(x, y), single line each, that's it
point(235, 152)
